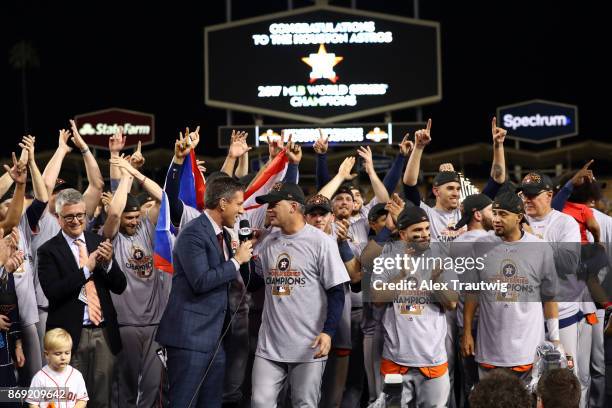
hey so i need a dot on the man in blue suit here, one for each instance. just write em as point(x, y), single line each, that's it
point(198, 312)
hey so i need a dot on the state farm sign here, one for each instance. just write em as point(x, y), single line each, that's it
point(96, 127)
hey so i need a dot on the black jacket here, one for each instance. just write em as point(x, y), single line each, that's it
point(61, 280)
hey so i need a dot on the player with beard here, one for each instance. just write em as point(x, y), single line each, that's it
point(414, 320)
point(511, 322)
point(477, 215)
point(140, 307)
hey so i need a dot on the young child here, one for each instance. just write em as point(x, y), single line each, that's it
point(59, 374)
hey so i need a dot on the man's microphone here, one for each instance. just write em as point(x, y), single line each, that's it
point(244, 234)
point(244, 231)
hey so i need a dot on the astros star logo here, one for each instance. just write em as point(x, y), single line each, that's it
point(322, 64)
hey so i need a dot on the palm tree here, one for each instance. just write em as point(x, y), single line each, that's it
point(23, 56)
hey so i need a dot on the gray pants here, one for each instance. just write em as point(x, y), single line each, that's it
point(41, 327)
point(451, 343)
point(31, 352)
point(597, 392)
point(422, 392)
point(138, 369)
point(269, 377)
point(372, 353)
point(94, 359)
point(334, 379)
point(585, 340)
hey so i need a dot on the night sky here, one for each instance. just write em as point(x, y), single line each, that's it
point(148, 56)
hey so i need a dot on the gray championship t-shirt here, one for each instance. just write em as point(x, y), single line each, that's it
point(511, 323)
point(563, 232)
point(441, 223)
point(297, 270)
point(144, 299)
point(24, 277)
point(414, 323)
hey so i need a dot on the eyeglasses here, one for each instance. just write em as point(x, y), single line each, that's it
point(525, 197)
point(71, 217)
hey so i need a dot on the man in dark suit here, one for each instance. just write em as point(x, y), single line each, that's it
point(77, 270)
point(198, 312)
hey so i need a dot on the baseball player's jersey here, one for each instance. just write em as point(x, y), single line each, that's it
point(511, 323)
point(563, 232)
point(461, 247)
point(297, 270)
point(47, 228)
point(441, 223)
point(24, 277)
point(69, 378)
point(143, 301)
point(414, 324)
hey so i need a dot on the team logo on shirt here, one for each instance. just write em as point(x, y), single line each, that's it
point(449, 233)
point(140, 262)
point(282, 278)
point(508, 268)
point(516, 283)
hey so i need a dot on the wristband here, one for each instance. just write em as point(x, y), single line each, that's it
point(85, 150)
point(345, 251)
point(552, 325)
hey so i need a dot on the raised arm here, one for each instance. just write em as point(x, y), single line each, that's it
point(19, 174)
point(498, 168)
point(321, 169)
point(243, 161)
point(344, 174)
point(116, 143)
point(94, 190)
point(116, 206)
point(53, 167)
point(395, 172)
point(38, 184)
point(422, 139)
point(380, 192)
point(294, 155)
point(237, 148)
point(149, 185)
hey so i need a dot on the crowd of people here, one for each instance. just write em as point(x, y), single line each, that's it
point(274, 300)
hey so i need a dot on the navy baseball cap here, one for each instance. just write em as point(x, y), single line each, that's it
point(282, 191)
point(534, 183)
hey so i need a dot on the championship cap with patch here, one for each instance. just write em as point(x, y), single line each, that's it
point(317, 202)
point(534, 183)
point(444, 177)
point(282, 191)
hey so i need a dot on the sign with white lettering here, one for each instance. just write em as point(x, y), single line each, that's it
point(357, 134)
point(322, 64)
point(538, 121)
point(97, 127)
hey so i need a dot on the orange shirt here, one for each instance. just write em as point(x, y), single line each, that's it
point(581, 213)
